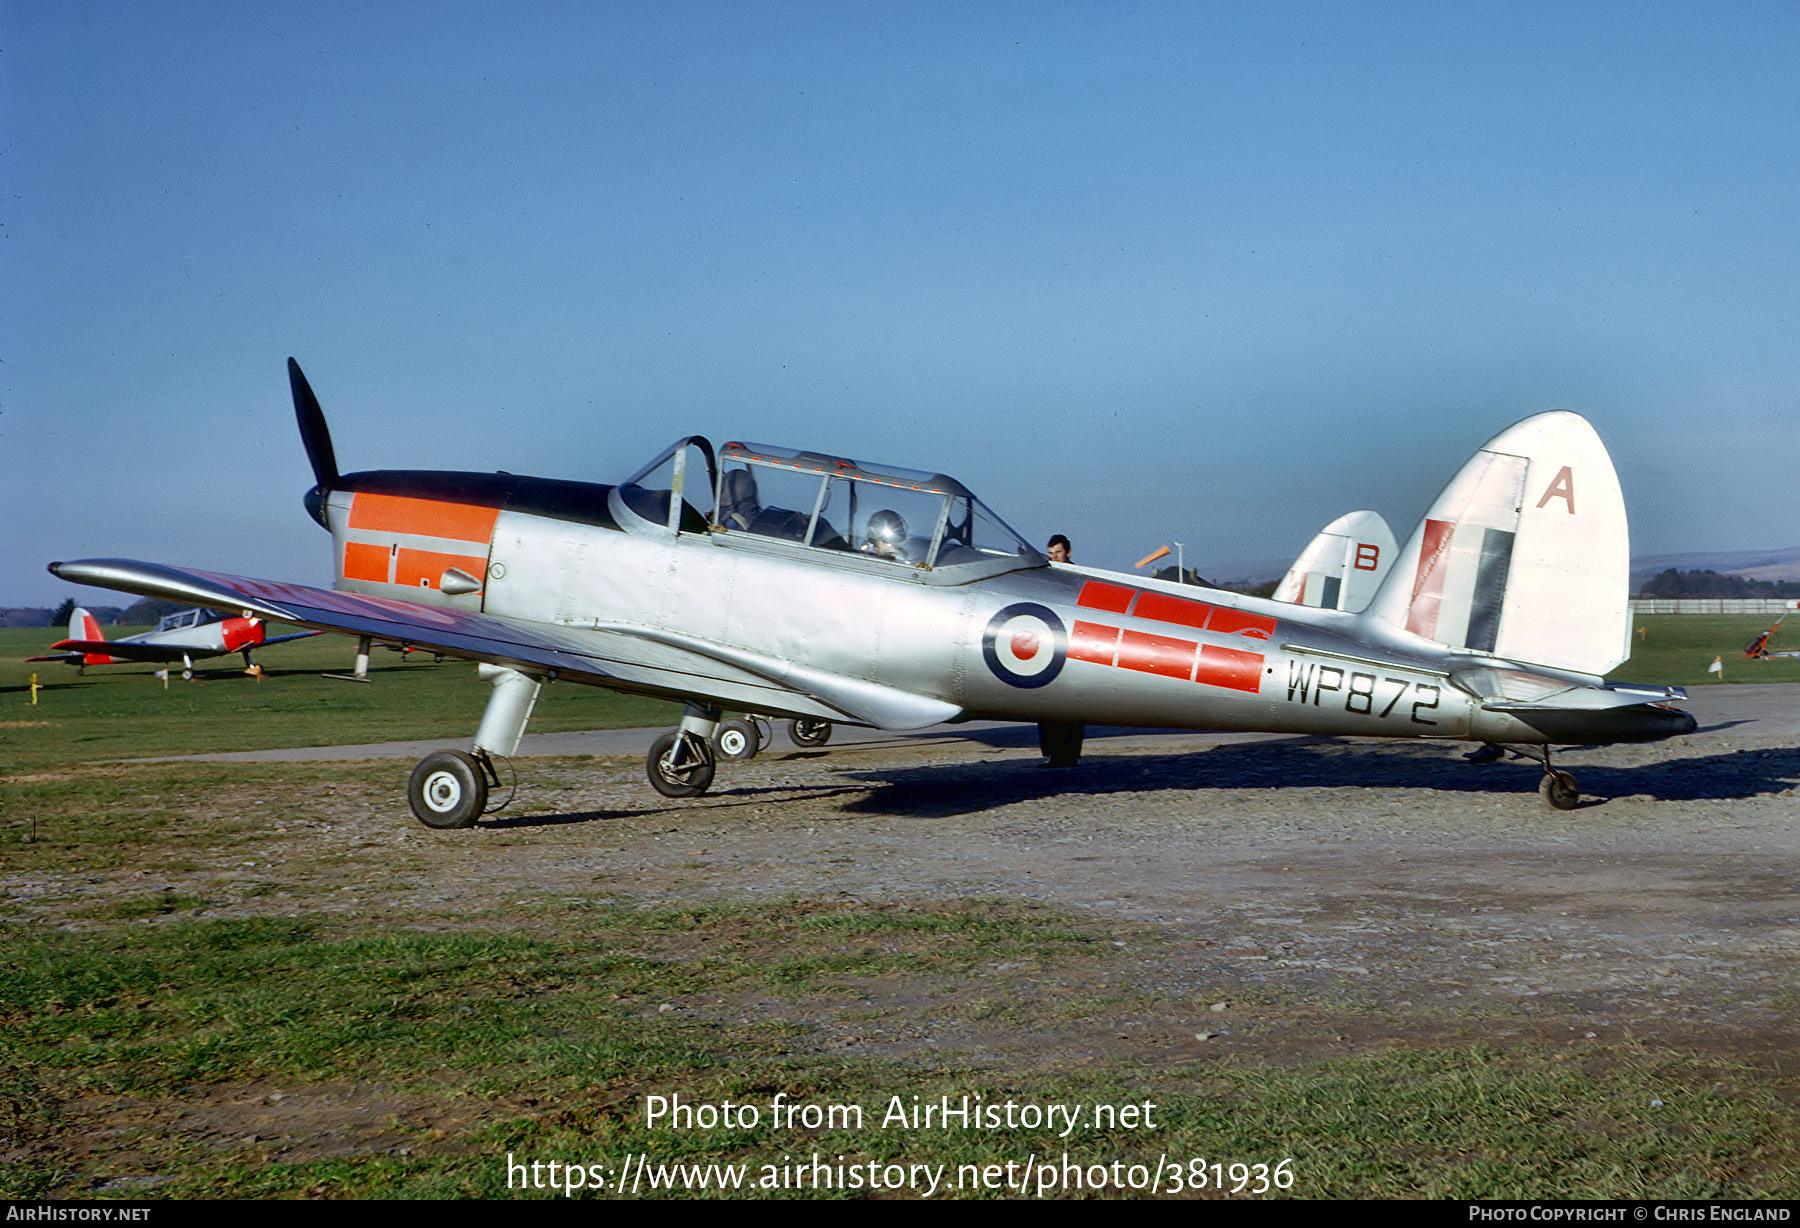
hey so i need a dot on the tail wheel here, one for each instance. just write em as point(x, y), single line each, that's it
point(680, 764)
point(1559, 791)
point(736, 739)
point(809, 732)
point(447, 789)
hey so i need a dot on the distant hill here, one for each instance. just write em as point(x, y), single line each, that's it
point(1749, 564)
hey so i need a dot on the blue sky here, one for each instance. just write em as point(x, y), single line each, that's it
point(1134, 272)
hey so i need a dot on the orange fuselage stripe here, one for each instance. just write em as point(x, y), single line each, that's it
point(365, 562)
point(423, 568)
point(425, 517)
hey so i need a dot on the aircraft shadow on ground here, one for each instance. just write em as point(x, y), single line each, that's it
point(1321, 763)
point(716, 801)
point(944, 790)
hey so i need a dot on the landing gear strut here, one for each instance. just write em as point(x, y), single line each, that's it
point(449, 788)
point(1060, 742)
point(680, 763)
point(1558, 789)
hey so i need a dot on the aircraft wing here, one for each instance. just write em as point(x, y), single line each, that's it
point(639, 659)
point(282, 639)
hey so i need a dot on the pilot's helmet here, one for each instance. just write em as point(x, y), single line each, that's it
point(887, 531)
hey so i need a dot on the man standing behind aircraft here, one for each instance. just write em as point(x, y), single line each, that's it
point(1059, 742)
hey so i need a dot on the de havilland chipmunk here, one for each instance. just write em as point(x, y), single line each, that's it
point(185, 636)
point(791, 583)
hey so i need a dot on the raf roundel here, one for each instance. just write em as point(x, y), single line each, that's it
point(1025, 645)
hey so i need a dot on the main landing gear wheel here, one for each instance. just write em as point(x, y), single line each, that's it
point(736, 739)
point(680, 765)
point(448, 789)
point(809, 732)
point(1559, 791)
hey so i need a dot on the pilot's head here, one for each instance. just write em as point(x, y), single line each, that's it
point(1058, 549)
point(886, 535)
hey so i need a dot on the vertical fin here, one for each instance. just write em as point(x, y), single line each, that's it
point(1341, 568)
point(1525, 554)
point(84, 626)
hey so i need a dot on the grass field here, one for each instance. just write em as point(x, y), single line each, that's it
point(497, 1040)
point(132, 1029)
point(1676, 649)
point(124, 711)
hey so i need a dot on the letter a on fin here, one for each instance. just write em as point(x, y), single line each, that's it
point(1508, 561)
point(1562, 488)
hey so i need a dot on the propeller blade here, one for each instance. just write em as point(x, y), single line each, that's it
point(313, 431)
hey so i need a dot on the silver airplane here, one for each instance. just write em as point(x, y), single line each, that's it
point(791, 583)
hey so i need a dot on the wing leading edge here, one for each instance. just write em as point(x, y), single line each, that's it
point(638, 659)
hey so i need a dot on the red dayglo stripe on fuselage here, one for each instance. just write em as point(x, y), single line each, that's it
point(1098, 596)
point(1157, 654)
point(1219, 619)
point(1227, 621)
point(1093, 642)
point(1167, 657)
point(1231, 668)
point(1162, 608)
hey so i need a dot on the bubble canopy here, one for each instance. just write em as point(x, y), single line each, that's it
point(830, 509)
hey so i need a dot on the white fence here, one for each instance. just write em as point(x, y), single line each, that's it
point(1712, 605)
